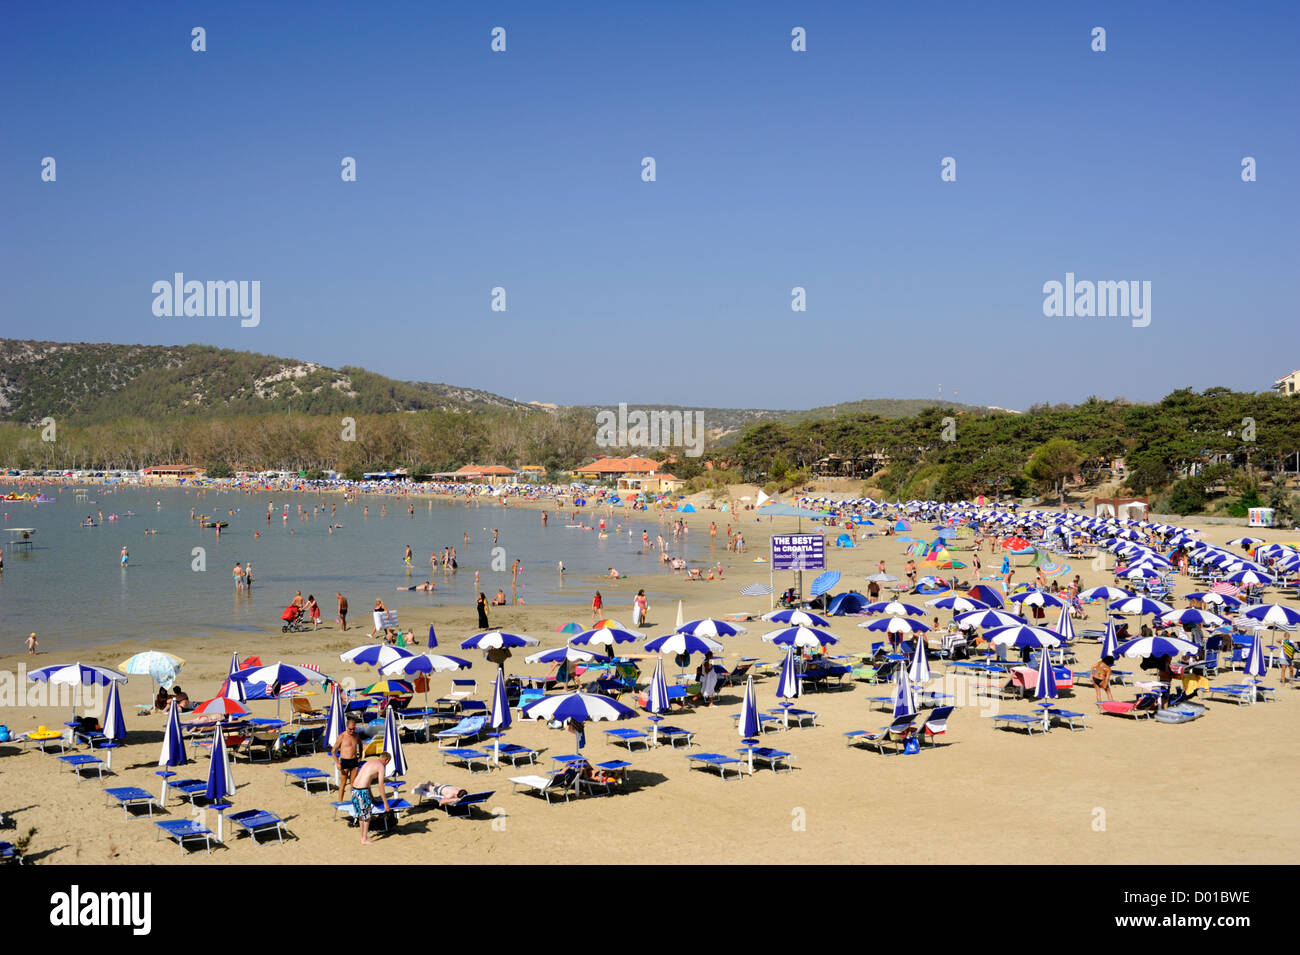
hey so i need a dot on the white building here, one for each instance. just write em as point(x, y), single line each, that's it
point(1288, 385)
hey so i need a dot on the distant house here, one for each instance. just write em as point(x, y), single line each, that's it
point(607, 468)
point(650, 483)
point(531, 474)
point(1288, 385)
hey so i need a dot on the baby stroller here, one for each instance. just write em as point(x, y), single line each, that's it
point(295, 620)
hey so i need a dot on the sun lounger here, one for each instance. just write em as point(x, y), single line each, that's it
point(9, 854)
point(396, 806)
point(253, 821)
point(464, 806)
point(303, 712)
point(469, 757)
point(307, 776)
point(78, 762)
point(796, 716)
point(628, 737)
point(1023, 721)
point(468, 729)
point(561, 784)
point(765, 722)
point(128, 796)
point(1239, 692)
point(896, 732)
point(183, 830)
point(308, 738)
point(188, 788)
point(1068, 717)
point(675, 734)
point(717, 761)
point(936, 724)
point(1124, 708)
point(514, 752)
point(773, 757)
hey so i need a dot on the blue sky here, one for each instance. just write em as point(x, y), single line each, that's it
point(775, 169)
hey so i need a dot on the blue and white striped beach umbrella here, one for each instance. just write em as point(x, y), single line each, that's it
point(894, 608)
point(335, 717)
point(958, 604)
point(657, 692)
point(173, 747)
point(919, 670)
point(500, 718)
point(584, 707)
point(1024, 636)
point(1275, 615)
point(496, 639)
point(235, 689)
point(904, 699)
point(277, 674)
point(605, 637)
point(756, 590)
point(806, 637)
point(1156, 647)
point(789, 686)
point(747, 725)
point(114, 726)
point(1109, 641)
point(1036, 598)
point(221, 783)
point(895, 625)
point(1190, 616)
point(682, 643)
point(375, 655)
point(1249, 578)
point(396, 767)
point(1065, 626)
point(989, 619)
point(1140, 607)
point(423, 663)
point(1045, 689)
point(1105, 592)
point(796, 618)
point(564, 655)
point(711, 627)
point(1256, 663)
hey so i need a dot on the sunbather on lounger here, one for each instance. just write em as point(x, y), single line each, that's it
point(444, 793)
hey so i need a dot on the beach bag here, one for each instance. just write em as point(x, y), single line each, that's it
point(912, 746)
point(4, 734)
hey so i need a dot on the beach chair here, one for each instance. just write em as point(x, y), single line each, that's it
point(185, 830)
point(1074, 721)
point(9, 854)
point(307, 776)
point(1240, 693)
point(266, 739)
point(628, 737)
point(463, 689)
point(936, 724)
point(1023, 721)
point(718, 761)
point(188, 788)
point(773, 757)
point(896, 732)
point(78, 762)
point(380, 820)
point(1124, 708)
point(303, 712)
point(128, 796)
point(464, 806)
point(514, 752)
point(675, 735)
point(562, 783)
point(765, 722)
point(468, 757)
point(737, 675)
point(528, 697)
point(253, 821)
point(468, 729)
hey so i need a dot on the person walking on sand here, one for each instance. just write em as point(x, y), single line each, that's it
point(640, 607)
point(482, 612)
point(343, 612)
point(597, 603)
point(32, 644)
point(371, 773)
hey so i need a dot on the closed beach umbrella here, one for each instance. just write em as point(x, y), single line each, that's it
point(393, 746)
point(796, 618)
point(114, 726)
point(173, 747)
point(335, 722)
point(747, 725)
point(789, 686)
point(904, 701)
point(1256, 664)
point(1065, 626)
point(221, 784)
point(1109, 641)
point(919, 671)
point(657, 697)
point(680, 616)
point(1045, 689)
point(500, 718)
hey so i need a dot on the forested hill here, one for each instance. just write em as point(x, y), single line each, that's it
point(97, 382)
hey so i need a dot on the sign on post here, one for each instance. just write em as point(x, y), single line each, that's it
point(799, 552)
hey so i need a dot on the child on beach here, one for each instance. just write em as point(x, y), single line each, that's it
point(32, 643)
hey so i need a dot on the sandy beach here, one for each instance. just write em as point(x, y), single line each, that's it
point(1120, 792)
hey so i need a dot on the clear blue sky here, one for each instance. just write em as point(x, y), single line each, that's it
point(775, 169)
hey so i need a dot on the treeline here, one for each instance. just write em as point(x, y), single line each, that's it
point(949, 455)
